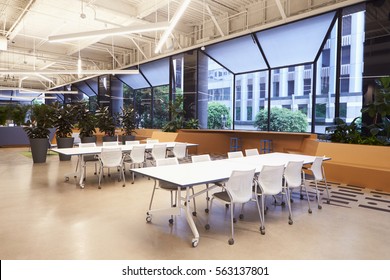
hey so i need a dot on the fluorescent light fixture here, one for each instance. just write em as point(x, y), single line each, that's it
point(110, 32)
point(68, 72)
point(16, 97)
point(172, 25)
point(26, 91)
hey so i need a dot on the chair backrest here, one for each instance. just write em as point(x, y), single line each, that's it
point(240, 185)
point(180, 150)
point(132, 142)
point(76, 137)
point(271, 179)
point(87, 145)
point(137, 154)
point(200, 158)
point(149, 141)
point(293, 174)
point(111, 156)
point(166, 161)
point(110, 144)
point(251, 152)
point(159, 151)
point(236, 154)
point(316, 168)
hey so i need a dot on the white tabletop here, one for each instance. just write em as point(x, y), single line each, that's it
point(97, 149)
point(190, 174)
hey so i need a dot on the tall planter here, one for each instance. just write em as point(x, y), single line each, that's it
point(65, 142)
point(127, 138)
point(88, 139)
point(39, 147)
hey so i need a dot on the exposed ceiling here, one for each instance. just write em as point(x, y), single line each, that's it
point(26, 25)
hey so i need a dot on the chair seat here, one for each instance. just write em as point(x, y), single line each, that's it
point(222, 196)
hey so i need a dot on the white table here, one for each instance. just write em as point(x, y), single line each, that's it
point(193, 174)
point(83, 151)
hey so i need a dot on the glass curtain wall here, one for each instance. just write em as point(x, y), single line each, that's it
point(220, 97)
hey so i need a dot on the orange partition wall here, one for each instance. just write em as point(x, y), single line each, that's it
point(218, 141)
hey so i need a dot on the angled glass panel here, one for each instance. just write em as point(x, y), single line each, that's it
point(88, 87)
point(135, 81)
point(295, 43)
point(156, 72)
point(238, 55)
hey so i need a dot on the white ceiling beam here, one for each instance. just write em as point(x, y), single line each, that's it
point(149, 7)
point(281, 10)
point(214, 20)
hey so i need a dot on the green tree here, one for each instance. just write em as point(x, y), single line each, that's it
point(281, 119)
point(217, 112)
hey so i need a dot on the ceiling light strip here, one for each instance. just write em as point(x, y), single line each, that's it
point(110, 32)
point(172, 25)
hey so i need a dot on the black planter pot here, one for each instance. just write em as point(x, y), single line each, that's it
point(90, 139)
point(127, 138)
point(66, 142)
point(39, 148)
point(109, 138)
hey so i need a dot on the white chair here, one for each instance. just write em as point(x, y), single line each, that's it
point(270, 182)
point(180, 151)
point(168, 186)
point(150, 141)
point(159, 151)
point(200, 158)
point(76, 137)
point(111, 157)
point(238, 190)
point(136, 158)
point(236, 154)
point(318, 175)
point(251, 152)
point(132, 142)
point(110, 144)
point(294, 178)
point(88, 158)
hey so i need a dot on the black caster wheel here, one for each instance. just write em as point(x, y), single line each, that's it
point(283, 203)
point(309, 211)
point(290, 222)
point(195, 243)
point(262, 231)
point(170, 221)
point(194, 214)
point(241, 216)
point(231, 241)
point(234, 220)
point(207, 227)
point(301, 197)
point(206, 210)
point(319, 207)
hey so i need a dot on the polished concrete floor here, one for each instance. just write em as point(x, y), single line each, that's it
point(42, 216)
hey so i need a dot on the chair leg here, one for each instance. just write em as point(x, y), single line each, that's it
point(327, 190)
point(262, 220)
point(290, 220)
point(100, 175)
point(207, 226)
point(318, 196)
point(231, 240)
point(307, 195)
point(193, 200)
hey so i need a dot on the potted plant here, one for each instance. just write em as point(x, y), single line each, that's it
point(106, 124)
point(41, 119)
point(127, 122)
point(64, 122)
point(86, 123)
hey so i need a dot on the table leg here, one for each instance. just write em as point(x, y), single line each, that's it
point(190, 219)
point(81, 172)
